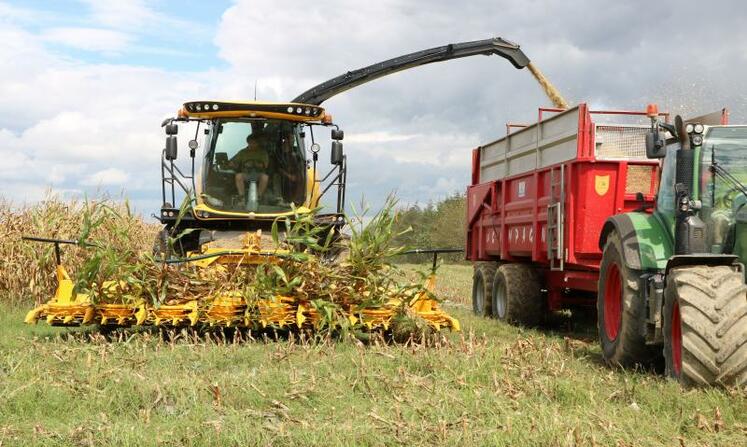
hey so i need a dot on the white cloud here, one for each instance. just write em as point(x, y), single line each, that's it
point(89, 39)
point(106, 177)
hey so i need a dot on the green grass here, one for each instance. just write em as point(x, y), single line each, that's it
point(492, 384)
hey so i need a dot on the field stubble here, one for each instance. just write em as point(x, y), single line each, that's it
point(492, 384)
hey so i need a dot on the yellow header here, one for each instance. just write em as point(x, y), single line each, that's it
point(223, 109)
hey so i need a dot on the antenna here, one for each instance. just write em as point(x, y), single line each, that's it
point(255, 89)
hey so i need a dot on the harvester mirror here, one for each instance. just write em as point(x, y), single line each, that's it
point(337, 134)
point(172, 129)
point(656, 146)
point(337, 155)
point(170, 152)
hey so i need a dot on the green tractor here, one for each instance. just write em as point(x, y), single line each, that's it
point(672, 273)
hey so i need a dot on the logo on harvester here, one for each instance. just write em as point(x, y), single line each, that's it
point(601, 184)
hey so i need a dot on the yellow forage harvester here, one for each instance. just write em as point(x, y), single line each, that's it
point(287, 280)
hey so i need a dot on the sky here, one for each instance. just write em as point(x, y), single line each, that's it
point(84, 85)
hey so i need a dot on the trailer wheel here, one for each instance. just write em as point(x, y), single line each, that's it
point(517, 295)
point(621, 311)
point(705, 326)
point(482, 287)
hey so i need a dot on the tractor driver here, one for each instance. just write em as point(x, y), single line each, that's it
point(251, 164)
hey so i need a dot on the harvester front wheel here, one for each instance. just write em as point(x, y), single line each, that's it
point(482, 287)
point(517, 295)
point(705, 326)
point(621, 311)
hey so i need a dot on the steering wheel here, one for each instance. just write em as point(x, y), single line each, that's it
point(727, 199)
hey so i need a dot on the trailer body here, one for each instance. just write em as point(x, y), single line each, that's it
point(541, 195)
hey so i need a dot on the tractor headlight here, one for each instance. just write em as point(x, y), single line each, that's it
point(697, 139)
point(698, 128)
point(689, 128)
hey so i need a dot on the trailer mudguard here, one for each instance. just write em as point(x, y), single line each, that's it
point(647, 243)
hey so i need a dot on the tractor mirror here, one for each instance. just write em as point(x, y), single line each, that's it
point(337, 134)
point(172, 129)
point(170, 152)
point(337, 155)
point(656, 146)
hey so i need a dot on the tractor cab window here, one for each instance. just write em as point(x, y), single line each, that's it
point(255, 166)
point(721, 199)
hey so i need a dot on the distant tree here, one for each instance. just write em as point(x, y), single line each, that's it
point(436, 225)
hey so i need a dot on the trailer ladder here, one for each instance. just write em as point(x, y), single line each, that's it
point(555, 215)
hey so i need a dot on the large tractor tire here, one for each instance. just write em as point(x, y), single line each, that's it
point(517, 295)
point(482, 287)
point(705, 326)
point(621, 310)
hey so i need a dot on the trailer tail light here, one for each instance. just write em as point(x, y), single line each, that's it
point(638, 179)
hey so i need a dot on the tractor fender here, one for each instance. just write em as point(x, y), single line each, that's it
point(646, 242)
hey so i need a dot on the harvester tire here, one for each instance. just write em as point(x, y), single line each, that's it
point(705, 326)
point(517, 295)
point(621, 310)
point(161, 245)
point(482, 287)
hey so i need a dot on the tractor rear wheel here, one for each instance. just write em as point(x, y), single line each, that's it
point(517, 295)
point(482, 287)
point(621, 310)
point(705, 326)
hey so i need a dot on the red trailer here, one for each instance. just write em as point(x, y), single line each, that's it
point(537, 204)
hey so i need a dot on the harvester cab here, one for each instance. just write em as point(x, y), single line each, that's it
point(254, 167)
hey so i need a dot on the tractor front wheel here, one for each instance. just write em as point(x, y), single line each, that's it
point(705, 326)
point(621, 311)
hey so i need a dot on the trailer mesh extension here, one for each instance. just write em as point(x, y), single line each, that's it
point(621, 142)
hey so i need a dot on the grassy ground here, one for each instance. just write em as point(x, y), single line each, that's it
point(492, 384)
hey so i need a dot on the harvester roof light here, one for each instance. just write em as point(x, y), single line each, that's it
point(327, 118)
point(290, 109)
point(215, 106)
point(207, 106)
point(307, 111)
point(298, 110)
point(652, 110)
point(198, 107)
point(698, 128)
point(689, 128)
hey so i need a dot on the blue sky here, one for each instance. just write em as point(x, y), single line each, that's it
point(163, 46)
point(85, 84)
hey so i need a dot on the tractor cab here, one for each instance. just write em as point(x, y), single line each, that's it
point(711, 183)
point(256, 162)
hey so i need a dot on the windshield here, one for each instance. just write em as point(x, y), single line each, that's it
point(721, 199)
point(255, 166)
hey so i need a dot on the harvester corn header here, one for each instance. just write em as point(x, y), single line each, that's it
point(254, 171)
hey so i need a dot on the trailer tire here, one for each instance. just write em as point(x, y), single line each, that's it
point(517, 295)
point(482, 287)
point(705, 326)
point(621, 310)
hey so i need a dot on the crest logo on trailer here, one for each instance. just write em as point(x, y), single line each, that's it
point(602, 184)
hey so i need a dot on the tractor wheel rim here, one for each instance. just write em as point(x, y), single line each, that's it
point(676, 337)
point(612, 302)
point(499, 290)
point(479, 295)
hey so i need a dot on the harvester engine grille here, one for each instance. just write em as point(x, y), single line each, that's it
point(615, 142)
